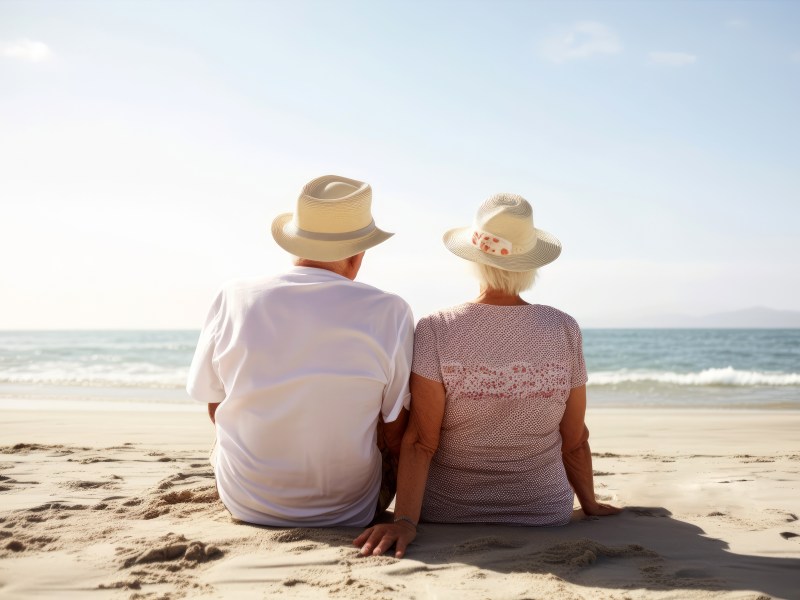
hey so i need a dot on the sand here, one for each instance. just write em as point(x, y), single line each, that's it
point(97, 504)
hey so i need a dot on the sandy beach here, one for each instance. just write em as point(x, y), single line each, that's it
point(122, 504)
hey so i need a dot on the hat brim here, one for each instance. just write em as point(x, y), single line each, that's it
point(286, 237)
point(546, 250)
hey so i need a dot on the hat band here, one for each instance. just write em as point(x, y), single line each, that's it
point(335, 237)
point(490, 243)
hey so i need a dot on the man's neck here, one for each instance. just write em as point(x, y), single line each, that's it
point(339, 267)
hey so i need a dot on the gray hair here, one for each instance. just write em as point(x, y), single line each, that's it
point(510, 282)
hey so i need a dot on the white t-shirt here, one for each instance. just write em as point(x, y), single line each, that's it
point(302, 364)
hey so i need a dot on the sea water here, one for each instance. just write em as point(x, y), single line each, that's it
point(95, 369)
point(744, 368)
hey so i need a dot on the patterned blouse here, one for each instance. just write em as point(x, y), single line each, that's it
point(507, 373)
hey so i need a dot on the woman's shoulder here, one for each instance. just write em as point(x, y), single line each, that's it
point(555, 315)
point(445, 315)
point(468, 312)
point(558, 323)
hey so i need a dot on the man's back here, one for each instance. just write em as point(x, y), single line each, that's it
point(305, 362)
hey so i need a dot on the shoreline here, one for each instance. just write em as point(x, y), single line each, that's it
point(35, 397)
point(621, 427)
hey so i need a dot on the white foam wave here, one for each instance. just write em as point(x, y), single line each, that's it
point(146, 377)
point(727, 376)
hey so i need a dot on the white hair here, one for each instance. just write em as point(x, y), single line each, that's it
point(510, 282)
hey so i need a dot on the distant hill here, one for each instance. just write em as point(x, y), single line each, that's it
point(757, 317)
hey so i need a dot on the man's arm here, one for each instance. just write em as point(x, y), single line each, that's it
point(392, 434)
point(212, 411)
point(577, 455)
point(420, 443)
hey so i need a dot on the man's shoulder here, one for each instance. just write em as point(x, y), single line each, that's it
point(387, 300)
point(241, 285)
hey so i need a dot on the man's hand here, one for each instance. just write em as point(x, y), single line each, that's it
point(379, 538)
point(599, 509)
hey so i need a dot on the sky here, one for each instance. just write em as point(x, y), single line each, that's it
point(146, 146)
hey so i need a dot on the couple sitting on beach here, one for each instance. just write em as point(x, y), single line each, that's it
point(326, 399)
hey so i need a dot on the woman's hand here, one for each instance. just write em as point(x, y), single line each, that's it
point(600, 509)
point(379, 538)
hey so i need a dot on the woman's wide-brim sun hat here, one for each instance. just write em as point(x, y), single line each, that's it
point(333, 221)
point(503, 236)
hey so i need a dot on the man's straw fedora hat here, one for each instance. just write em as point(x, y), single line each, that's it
point(503, 236)
point(333, 221)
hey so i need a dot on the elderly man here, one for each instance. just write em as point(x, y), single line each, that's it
point(307, 372)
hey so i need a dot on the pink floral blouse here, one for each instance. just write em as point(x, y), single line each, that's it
point(507, 373)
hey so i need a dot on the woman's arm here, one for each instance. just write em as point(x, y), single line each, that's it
point(577, 455)
point(420, 442)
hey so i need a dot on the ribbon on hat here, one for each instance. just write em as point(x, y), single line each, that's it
point(490, 243)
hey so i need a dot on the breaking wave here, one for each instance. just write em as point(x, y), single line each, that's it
point(81, 375)
point(727, 376)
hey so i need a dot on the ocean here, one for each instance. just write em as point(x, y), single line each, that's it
point(740, 368)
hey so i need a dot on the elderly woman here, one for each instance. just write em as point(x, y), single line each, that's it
point(498, 388)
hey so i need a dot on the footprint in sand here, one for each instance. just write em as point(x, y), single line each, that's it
point(21, 538)
point(7, 483)
point(192, 496)
point(94, 459)
point(176, 548)
point(585, 552)
point(479, 545)
point(329, 537)
point(89, 485)
point(57, 506)
point(776, 517)
point(154, 505)
point(195, 477)
point(292, 535)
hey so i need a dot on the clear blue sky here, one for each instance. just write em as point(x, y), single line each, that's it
point(146, 146)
